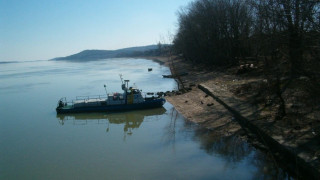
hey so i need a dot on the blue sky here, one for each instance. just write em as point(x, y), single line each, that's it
point(44, 29)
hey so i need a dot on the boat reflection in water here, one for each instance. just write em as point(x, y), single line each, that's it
point(130, 119)
point(170, 139)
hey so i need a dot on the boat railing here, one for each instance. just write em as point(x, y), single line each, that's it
point(152, 94)
point(63, 99)
point(92, 97)
point(63, 102)
point(66, 102)
point(81, 98)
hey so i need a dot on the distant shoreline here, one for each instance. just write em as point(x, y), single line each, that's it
point(138, 51)
point(163, 60)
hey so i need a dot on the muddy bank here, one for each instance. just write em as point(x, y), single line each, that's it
point(227, 103)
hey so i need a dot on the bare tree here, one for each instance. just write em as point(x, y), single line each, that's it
point(286, 25)
point(214, 31)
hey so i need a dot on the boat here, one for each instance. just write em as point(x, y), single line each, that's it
point(131, 99)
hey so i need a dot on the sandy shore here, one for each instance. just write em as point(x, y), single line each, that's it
point(220, 110)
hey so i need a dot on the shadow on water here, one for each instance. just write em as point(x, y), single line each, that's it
point(232, 148)
point(131, 119)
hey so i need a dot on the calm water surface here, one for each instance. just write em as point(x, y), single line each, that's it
point(36, 143)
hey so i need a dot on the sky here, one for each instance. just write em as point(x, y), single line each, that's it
point(45, 29)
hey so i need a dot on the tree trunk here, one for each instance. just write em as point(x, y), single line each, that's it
point(295, 52)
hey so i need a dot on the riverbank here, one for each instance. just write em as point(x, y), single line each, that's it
point(228, 103)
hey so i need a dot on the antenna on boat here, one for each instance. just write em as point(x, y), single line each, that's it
point(127, 83)
point(124, 84)
point(121, 78)
point(105, 87)
point(135, 86)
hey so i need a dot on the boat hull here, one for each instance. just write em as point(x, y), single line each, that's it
point(109, 108)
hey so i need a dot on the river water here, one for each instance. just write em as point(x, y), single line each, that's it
point(36, 143)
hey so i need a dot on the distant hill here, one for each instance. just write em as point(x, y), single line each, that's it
point(151, 50)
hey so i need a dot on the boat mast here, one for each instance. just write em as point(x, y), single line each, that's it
point(121, 78)
point(125, 86)
point(127, 83)
point(105, 87)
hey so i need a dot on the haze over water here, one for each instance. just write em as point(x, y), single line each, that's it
point(36, 143)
